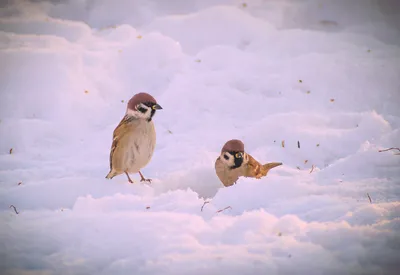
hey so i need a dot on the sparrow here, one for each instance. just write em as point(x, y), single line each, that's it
point(234, 163)
point(134, 138)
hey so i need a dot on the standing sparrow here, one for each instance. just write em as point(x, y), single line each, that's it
point(134, 139)
point(234, 162)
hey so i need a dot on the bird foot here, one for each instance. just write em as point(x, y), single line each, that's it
point(143, 178)
point(148, 180)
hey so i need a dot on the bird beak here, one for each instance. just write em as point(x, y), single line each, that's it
point(157, 107)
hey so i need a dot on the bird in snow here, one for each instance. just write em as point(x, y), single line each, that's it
point(134, 138)
point(234, 162)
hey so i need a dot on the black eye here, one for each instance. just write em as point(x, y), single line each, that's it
point(141, 109)
point(238, 155)
point(226, 157)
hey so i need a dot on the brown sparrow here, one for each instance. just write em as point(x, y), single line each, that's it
point(134, 139)
point(234, 162)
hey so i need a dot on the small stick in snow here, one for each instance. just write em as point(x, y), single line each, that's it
point(205, 202)
point(312, 168)
point(369, 197)
point(298, 144)
point(392, 148)
point(283, 144)
point(15, 209)
point(223, 209)
point(11, 151)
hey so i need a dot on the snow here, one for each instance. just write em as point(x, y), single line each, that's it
point(324, 73)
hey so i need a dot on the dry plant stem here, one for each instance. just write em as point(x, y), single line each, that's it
point(223, 209)
point(392, 148)
point(369, 197)
point(312, 168)
point(15, 209)
point(205, 202)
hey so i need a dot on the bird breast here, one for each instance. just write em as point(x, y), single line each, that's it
point(227, 175)
point(142, 144)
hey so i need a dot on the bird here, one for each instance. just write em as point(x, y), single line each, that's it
point(234, 163)
point(134, 139)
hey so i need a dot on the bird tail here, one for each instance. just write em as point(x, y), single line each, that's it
point(269, 166)
point(111, 174)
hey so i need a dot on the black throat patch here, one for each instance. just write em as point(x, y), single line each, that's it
point(151, 115)
point(238, 161)
point(153, 111)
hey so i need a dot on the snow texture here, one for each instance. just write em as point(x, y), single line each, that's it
point(324, 73)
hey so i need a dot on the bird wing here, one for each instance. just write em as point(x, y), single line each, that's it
point(253, 169)
point(257, 170)
point(124, 127)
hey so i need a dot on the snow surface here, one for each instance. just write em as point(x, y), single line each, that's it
point(324, 73)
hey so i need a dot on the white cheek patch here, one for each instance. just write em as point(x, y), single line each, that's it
point(139, 114)
point(230, 161)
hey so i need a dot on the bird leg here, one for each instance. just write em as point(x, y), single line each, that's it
point(143, 178)
point(129, 178)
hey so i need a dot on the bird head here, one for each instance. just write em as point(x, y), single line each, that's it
point(142, 106)
point(232, 153)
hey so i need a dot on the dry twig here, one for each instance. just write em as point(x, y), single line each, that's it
point(223, 209)
point(205, 202)
point(312, 168)
point(392, 148)
point(369, 197)
point(15, 209)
